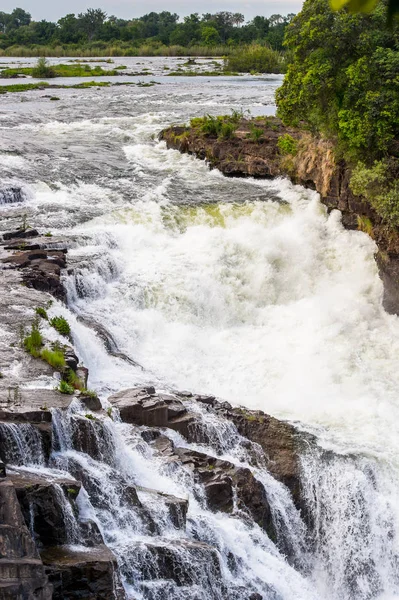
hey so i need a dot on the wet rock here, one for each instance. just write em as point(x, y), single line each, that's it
point(20, 234)
point(90, 532)
point(88, 436)
point(142, 406)
point(11, 195)
point(129, 496)
point(41, 268)
point(92, 402)
point(83, 374)
point(183, 561)
point(222, 481)
point(71, 360)
point(90, 574)
point(21, 571)
point(280, 442)
point(43, 505)
point(35, 439)
point(177, 507)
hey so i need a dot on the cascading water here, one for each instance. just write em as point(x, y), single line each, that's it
point(246, 289)
point(217, 555)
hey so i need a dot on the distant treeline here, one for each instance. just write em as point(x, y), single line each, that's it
point(94, 30)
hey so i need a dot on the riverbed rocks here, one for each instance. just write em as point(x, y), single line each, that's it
point(312, 165)
point(39, 261)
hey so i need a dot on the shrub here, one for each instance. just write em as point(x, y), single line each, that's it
point(379, 184)
point(41, 312)
point(61, 325)
point(227, 130)
point(287, 144)
point(54, 358)
point(42, 70)
point(34, 341)
point(65, 388)
point(256, 59)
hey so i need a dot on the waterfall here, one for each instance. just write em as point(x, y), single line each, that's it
point(129, 490)
point(21, 444)
point(353, 509)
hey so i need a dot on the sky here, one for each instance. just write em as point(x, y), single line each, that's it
point(125, 9)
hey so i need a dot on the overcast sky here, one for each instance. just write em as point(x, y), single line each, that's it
point(53, 10)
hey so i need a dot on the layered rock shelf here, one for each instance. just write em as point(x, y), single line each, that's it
point(312, 165)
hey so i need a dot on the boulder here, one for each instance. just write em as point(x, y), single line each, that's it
point(142, 406)
point(90, 574)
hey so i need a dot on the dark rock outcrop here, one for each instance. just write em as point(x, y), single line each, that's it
point(141, 406)
point(90, 574)
point(40, 264)
point(22, 574)
point(43, 506)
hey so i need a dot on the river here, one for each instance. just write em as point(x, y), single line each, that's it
point(242, 288)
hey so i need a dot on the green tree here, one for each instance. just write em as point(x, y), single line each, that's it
point(91, 21)
point(210, 36)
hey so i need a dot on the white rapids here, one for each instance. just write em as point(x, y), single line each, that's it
point(245, 289)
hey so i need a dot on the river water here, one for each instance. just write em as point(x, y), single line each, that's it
point(246, 289)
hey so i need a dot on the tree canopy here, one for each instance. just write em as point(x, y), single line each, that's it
point(343, 78)
point(94, 25)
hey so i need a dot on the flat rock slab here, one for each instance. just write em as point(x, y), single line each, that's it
point(143, 406)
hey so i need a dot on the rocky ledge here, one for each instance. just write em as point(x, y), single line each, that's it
point(312, 165)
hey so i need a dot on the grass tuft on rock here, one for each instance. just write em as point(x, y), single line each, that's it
point(61, 325)
point(54, 358)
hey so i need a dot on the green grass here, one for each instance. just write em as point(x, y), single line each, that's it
point(34, 341)
point(61, 325)
point(65, 388)
point(364, 224)
point(55, 358)
point(89, 393)
point(39, 310)
point(90, 417)
point(73, 380)
point(43, 71)
point(255, 133)
point(222, 127)
point(23, 87)
point(89, 84)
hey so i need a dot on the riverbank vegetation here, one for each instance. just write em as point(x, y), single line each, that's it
point(94, 33)
point(42, 70)
point(342, 82)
